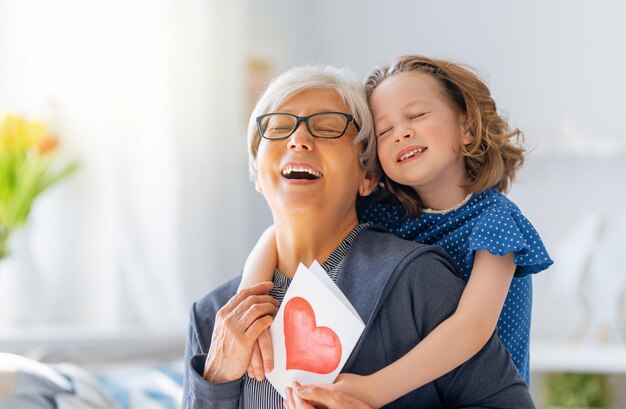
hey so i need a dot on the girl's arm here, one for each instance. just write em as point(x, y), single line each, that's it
point(259, 267)
point(450, 344)
point(262, 260)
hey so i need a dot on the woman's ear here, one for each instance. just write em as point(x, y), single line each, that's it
point(257, 185)
point(368, 184)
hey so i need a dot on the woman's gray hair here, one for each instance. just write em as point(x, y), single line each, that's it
point(299, 79)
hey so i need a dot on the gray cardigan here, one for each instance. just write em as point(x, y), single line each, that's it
point(402, 291)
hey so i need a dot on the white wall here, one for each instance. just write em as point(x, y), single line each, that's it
point(555, 69)
point(149, 97)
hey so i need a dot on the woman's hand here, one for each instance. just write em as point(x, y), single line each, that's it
point(238, 325)
point(320, 396)
point(262, 357)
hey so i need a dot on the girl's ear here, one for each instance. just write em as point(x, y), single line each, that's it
point(368, 184)
point(467, 136)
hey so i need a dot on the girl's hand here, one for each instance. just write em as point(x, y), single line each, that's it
point(360, 387)
point(262, 360)
point(320, 396)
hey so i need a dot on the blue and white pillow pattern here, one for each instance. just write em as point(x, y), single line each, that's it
point(155, 387)
point(27, 384)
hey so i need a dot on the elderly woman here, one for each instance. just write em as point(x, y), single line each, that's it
point(312, 153)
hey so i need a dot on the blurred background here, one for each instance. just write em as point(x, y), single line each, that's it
point(153, 97)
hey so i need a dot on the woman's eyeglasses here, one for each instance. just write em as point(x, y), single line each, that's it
point(327, 125)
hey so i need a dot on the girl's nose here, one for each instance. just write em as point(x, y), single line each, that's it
point(405, 134)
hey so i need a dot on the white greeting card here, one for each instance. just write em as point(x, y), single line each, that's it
point(314, 332)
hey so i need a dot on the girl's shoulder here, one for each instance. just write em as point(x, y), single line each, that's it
point(387, 213)
point(391, 215)
point(493, 212)
point(500, 227)
point(493, 200)
point(491, 205)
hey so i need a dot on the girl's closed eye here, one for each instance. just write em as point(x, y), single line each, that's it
point(417, 115)
point(385, 131)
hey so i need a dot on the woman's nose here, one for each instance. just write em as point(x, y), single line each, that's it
point(301, 139)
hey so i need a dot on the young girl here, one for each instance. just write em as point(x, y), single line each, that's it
point(447, 155)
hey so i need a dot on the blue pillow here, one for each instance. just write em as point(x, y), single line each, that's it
point(28, 384)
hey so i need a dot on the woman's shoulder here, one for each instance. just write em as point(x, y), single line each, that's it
point(380, 266)
point(377, 241)
point(383, 253)
point(210, 303)
point(203, 311)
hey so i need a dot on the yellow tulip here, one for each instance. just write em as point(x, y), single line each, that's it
point(47, 144)
point(26, 171)
point(20, 134)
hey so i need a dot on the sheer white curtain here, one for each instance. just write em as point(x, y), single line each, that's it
point(149, 96)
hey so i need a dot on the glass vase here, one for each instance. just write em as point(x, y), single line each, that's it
point(20, 284)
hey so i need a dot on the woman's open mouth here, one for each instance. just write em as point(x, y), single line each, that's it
point(300, 172)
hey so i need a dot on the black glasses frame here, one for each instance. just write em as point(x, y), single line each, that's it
point(305, 119)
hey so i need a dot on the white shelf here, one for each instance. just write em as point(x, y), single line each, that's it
point(559, 357)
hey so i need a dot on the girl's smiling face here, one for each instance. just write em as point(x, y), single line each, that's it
point(419, 134)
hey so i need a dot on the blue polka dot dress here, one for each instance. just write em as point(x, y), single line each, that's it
point(486, 221)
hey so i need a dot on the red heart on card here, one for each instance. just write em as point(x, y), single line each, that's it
point(309, 347)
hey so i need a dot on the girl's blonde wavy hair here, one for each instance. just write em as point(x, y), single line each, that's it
point(496, 153)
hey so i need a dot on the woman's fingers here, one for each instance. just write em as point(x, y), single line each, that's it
point(257, 289)
point(265, 346)
point(238, 319)
point(251, 301)
point(258, 326)
point(257, 363)
point(252, 311)
point(233, 339)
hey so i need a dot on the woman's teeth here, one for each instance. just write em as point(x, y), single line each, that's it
point(410, 154)
point(300, 171)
